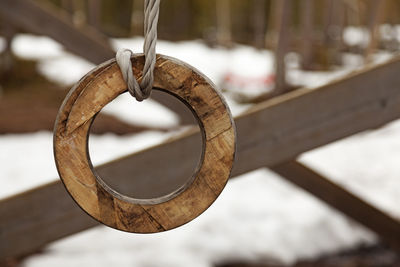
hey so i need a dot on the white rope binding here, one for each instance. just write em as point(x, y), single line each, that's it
point(123, 56)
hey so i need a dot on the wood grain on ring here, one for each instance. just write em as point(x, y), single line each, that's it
point(100, 87)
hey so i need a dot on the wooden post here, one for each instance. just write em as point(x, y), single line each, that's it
point(94, 13)
point(8, 31)
point(375, 11)
point(332, 30)
point(224, 36)
point(137, 17)
point(259, 22)
point(327, 18)
point(391, 14)
point(270, 33)
point(283, 29)
point(307, 23)
point(79, 15)
point(337, 29)
point(353, 12)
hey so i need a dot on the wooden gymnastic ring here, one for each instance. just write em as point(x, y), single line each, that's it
point(71, 132)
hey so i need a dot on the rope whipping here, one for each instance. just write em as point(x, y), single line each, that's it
point(123, 56)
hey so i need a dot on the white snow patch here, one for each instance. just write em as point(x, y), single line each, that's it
point(64, 70)
point(146, 113)
point(315, 78)
point(211, 62)
point(356, 36)
point(36, 47)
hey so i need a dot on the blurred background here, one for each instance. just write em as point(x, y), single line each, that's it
point(313, 85)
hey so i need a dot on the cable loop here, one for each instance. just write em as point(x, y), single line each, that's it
point(123, 56)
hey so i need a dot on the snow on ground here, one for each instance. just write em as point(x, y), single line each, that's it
point(366, 163)
point(258, 216)
point(361, 36)
point(145, 113)
point(354, 35)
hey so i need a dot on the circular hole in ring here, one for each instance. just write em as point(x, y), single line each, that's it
point(145, 180)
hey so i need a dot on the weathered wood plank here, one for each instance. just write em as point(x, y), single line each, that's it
point(286, 126)
point(272, 132)
point(339, 198)
point(29, 226)
point(56, 23)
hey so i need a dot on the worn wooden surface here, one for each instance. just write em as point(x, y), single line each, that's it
point(44, 19)
point(337, 197)
point(272, 132)
point(100, 87)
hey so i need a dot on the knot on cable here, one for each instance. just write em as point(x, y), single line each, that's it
point(142, 91)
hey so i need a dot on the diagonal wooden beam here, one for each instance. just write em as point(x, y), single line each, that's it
point(342, 200)
point(272, 132)
point(45, 19)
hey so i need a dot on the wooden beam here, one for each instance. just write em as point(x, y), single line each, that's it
point(270, 133)
point(56, 23)
point(339, 198)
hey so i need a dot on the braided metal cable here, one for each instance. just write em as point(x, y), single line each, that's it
point(123, 56)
